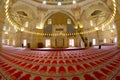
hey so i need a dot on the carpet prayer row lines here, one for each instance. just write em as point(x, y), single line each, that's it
point(89, 64)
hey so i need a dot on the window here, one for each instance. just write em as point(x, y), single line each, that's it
point(74, 1)
point(4, 28)
point(24, 42)
point(105, 41)
point(15, 28)
point(26, 24)
point(7, 41)
point(91, 22)
point(47, 43)
point(68, 21)
point(71, 42)
point(114, 26)
point(49, 21)
point(22, 29)
point(103, 27)
point(3, 42)
point(9, 29)
point(13, 42)
point(115, 40)
point(94, 41)
point(44, 2)
point(59, 3)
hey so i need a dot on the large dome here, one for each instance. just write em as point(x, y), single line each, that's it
point(55, 2)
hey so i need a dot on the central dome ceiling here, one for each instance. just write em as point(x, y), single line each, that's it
point(55, 2)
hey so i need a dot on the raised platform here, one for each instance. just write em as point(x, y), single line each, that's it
point(57, 49)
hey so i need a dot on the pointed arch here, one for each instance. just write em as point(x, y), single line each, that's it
point(57, 11)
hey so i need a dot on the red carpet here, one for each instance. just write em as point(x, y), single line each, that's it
point(16, 75)
point(117, 77)
point(37, 78)
point(89, 64)
point(88, 77)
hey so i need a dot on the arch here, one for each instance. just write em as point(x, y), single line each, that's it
point(29, 10)
point(61, 11)
point(91, 8)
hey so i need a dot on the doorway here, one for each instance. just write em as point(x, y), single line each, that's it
point(59, 42)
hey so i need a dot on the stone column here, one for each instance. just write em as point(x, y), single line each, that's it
point(118, 36)
point(18, 39)
point(117, 21)
point(2, 17)
point(77, 40)
point(1, 25)
point(118, 32)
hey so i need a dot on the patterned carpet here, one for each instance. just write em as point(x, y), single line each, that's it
point(89, 64)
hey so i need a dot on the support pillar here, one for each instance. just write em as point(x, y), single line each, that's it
point(1, 25)
point(18, 39)
point(117, 21)
point(118, 33)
